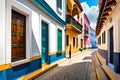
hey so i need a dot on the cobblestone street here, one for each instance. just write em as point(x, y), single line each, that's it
point(79, 67)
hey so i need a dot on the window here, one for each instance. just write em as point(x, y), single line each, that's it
point(73, 41)
point(76, 42)
point(18, 36)
point(59, 41)
point(67, 40)
point(59, 4)
point(103, 37)
point(81, 20)
point(99, 40)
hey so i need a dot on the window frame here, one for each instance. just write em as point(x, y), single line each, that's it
point(19, 15)
point(59, 5)
point(73, 41)
point(67, 40)
point(58, 41)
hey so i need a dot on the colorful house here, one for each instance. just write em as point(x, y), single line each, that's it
point(32, 34)
point(108, 31)
point(73, 26)
point(86, 32)
point(93, 39)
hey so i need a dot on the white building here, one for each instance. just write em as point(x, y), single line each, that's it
point(32, 34)
point(108, 31)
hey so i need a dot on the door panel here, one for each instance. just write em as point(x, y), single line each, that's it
point(18, 36)
point(111, 45)
point(44, 42)
point(59, 40)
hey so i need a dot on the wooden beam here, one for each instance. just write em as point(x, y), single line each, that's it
point(107, 10)
point(110, 4)
point(104, 18)
point(105, 15)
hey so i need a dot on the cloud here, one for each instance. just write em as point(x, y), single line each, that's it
point(91, 12)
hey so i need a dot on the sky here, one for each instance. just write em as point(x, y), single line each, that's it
point(90, 8)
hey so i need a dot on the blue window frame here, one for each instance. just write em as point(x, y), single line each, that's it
point(59, 4)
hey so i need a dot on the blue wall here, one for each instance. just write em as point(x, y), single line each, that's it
point(19, 71)
point(93, 39)
point(56, 57)
point(3, 75)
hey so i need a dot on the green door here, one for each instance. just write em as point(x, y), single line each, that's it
point(44, 42)
point(59, 40)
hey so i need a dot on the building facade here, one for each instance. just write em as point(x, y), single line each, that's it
point(32, 34)
point(108, 31)
point(73, 26)
point(93, 39)
point(86, 24)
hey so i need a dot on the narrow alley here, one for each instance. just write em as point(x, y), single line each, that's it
point(59, 40)
point(79, 67)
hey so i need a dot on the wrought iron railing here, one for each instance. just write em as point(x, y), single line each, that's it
point(71, 20)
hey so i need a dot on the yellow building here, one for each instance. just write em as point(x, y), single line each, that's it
point(73, 26)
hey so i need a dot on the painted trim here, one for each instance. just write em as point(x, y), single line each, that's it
point(52, 53)
point(108, 73)
point(35, 57)
point(5, 66)
point(41, 4)
point(37, 73)
point(8, 66)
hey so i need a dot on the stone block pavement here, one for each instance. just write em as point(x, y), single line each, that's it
point(79, 67)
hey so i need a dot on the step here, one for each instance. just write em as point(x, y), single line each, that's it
point(100, 73)
point(110, 73)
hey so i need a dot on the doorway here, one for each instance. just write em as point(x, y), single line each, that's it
point(44, 42)
point(111, 45)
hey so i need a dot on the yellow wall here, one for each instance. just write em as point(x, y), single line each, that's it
point(75, 48)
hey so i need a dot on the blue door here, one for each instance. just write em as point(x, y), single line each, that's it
point(111, 45)
point(44, 42)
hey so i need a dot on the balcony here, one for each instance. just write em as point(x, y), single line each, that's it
point(75, 24)
point(85, 32)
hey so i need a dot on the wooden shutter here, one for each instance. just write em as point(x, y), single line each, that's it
point(59, 40)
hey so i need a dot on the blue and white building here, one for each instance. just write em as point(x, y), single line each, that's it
point(32, 34)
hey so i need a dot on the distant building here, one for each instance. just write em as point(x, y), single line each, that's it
point(73, 26)
point(93, 39)
point(32, 34)
point(108, 31)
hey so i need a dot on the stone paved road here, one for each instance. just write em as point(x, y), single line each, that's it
point(75, 68)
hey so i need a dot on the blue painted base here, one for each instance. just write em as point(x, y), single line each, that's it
point(116, 59)
point(55, 57)
point(116, 62)
point(19, 71)
point(103, 53)
point(3, 75)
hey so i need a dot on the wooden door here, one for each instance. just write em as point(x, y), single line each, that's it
point(18, 34)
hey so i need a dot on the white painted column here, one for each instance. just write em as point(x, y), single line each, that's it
point(52, 37)
point(2, 32)
point(116, 29)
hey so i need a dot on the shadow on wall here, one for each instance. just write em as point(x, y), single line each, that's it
point(35, 49)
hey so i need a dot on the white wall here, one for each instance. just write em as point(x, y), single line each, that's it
point(2, 32)
point(116, 30)
point(33, 29)
point(12, 4)
point(53, 5)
